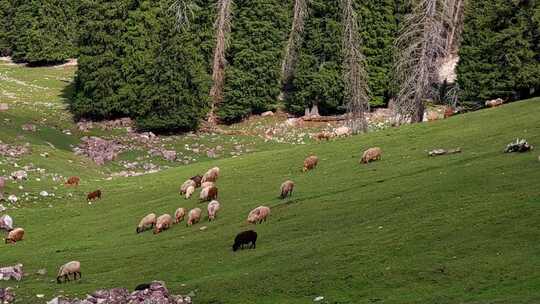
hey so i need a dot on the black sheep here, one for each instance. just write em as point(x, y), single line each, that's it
point(245, 238)
point(197, 179)
point(143, 286)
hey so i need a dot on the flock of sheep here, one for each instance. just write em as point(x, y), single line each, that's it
point(209, 193)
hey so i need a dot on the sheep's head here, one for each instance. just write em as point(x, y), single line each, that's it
point(235, 246)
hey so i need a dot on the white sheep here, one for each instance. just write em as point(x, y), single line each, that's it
point(73, 267)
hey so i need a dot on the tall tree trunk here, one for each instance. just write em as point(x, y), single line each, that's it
point(223, 31)
point(293, 44)
point(420, 45)
point(355, 76)
point(456, 10)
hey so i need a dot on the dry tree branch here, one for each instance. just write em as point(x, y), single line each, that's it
point(223, 31)
point(182, 12)
point(455, 15)
point(294, 42)
point(419, 46)
point(354, 73)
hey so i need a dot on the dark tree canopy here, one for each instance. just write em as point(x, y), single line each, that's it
point(500, 52)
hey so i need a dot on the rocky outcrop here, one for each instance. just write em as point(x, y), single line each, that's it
point(156, 294)
point(13, 150)
point(6, 295)
point(12, 272)
point(99, 150)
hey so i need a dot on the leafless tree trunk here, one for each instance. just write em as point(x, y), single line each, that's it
point(419, 46)
point(455, 14)
point(295, 40)
point(355, 76)
point(223, 31)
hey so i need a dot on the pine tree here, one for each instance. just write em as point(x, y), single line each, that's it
point(318, 79)
point(53, 32)
point(252, 77)
point(99, 76)
point(7, 19)
point(174, 95)
point(499, 56)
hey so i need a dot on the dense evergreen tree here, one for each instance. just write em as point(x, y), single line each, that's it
point(135, 62)
point(500, 54)
point(99, 76)
point(38, 31)
point(259, 33)
point(7, 18)
point(53, 32)
point(173, 94)
point(318, 77)
point(379, 25)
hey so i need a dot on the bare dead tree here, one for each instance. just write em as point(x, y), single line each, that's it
point(354, 73)
point(419, 46)
point(294, 42)
point(455, 12)
point(223, 31)
point(182, 13)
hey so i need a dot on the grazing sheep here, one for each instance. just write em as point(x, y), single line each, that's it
point(197, 179)
point(208, 194)
point(258, 215)
point(15, 235)
point(163, 222)
point(94, 195)
point(194, 216)
point(310, 163)
point(207, 184)
point(323, 136)
point(73, 181)
point(342, 131)
point(494, 103)
point(179, 215)
point(211, 175)
point(371, 154)
point(6, 222)
point(73, 267)
point(286, 189)
point(189, 191)
point(186, 185)
point(213, 208)
point(147, 222)
point(245, 238)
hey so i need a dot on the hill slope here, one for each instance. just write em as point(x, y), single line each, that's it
point(408, 229)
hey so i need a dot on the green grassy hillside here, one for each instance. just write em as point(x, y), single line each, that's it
point(408, 229)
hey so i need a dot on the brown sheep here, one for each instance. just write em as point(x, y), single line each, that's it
point(207, 184)
point(147, 222)
point(211, 175)
point(323, 136)
point(73, 181)
point(310, 163)
point(371, 154)
point(197, 179)
point(194, 216)
point(94, 195)
point(73, 267)
point(15, 236)
point(286, 189)
point(163, 222)
point(208, 194)
point(258, 215)
point(179, 215)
